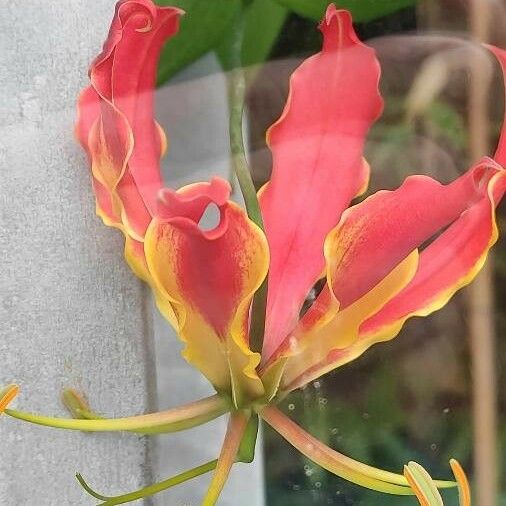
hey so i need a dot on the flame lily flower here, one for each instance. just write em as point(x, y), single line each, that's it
point(370, 255)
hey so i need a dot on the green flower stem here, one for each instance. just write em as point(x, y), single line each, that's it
point(172, 420)
point(151, 489)
point(236, 93)
point(236, 82)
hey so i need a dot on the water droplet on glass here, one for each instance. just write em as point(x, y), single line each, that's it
point(433, 447)
point(292, 341)
point(318, 484)
point(291, 407)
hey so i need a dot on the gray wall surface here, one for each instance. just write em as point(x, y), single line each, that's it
point(71, 313)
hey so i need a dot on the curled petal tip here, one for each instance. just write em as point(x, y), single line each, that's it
point(191, 201)
point(221, 190)
point(331, 11)
point(7, 395)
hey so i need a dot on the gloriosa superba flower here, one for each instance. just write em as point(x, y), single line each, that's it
point(376, 274)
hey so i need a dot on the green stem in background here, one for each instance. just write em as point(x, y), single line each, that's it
point(151, 489)
point(236, 94)
point(236, 82)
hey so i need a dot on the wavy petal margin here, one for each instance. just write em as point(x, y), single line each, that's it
point(115, 122)
point(322, 342)
point(370, 245)
point(209, 278)
point(450, 262)
point(318, 168)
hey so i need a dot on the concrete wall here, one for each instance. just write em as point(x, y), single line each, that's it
point(71, 313)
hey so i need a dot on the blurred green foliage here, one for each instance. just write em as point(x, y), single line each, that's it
point(202, 28)
point(210, 26)
point(361, 10)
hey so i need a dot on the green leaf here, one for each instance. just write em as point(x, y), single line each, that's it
point(361, 10)
point(261, 21)
point(202, 28)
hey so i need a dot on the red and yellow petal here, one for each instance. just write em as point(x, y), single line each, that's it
point(189, 201)
point(125, 76)
point(317, 149)
point(209, 278)
point(373, 241)
point(375, 235)
point(446, 265)
point(115, 122)
point(322, 343)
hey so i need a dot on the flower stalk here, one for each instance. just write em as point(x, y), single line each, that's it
point(237, 88)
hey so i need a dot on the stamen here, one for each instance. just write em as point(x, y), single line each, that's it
point(337, 463)
point(422, 485)
point(171, 420)
point(77, 405)
point(7, 395)
point(462, 483)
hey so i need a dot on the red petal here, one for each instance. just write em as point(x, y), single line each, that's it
point(375, 235)
point(447, 264)
point(209, 278)
point(317, 149)
point(88, 111)
point(450, 262)
point(126, 146)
